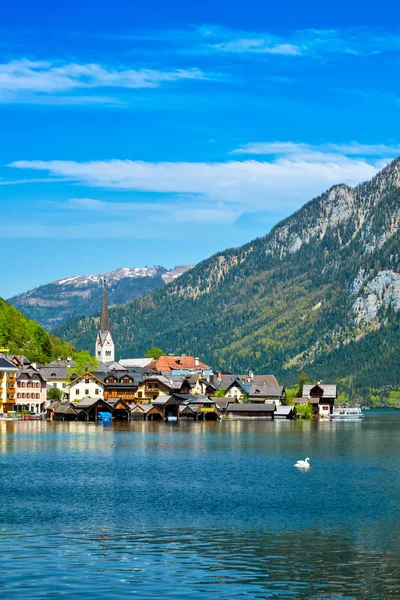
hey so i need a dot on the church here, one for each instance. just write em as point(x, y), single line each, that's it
point(104, 351)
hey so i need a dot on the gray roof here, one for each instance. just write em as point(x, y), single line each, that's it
point(222, 403)
point(259, 379)
point(87, 402)
point(188, 408)
point(283, 411)
point(329, 390)
point(62, 409)
point(55, 372)
point(148, 407)
point(250, 407)
point(266, 390)
point(30, 373)
point(160, 400)
point(61, 363)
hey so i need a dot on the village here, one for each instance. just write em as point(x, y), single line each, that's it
point(164, 388)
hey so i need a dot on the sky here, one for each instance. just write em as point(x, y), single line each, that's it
point(142, 133)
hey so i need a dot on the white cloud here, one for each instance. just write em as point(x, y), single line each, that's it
point(323, 151)
point(260, 46)
point(50, 77)
point(294, 176)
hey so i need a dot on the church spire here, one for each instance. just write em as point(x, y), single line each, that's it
point(104, 318)
point(104, 341)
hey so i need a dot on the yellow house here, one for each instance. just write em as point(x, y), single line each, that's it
point(8, 373)
point(155, 386)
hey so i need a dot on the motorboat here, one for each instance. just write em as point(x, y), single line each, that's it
point(344, 413)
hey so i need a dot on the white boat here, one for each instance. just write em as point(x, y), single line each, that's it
point(347, 414)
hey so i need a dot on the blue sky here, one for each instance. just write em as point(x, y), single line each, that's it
point(162, 132)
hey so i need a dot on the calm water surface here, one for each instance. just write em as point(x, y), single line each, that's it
point(200, 510)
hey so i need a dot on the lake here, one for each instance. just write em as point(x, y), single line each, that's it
point(200, 510)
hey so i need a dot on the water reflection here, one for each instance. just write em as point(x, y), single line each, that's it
point(200, 508)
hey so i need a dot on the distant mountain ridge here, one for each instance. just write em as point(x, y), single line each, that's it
point(320, 292)
point(55, 302)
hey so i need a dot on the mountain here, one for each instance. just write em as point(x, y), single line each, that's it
point(320, 293)
point(20, 335)
point(55, 302)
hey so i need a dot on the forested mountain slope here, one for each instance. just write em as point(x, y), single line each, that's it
point(22, 336)
point(320, 292)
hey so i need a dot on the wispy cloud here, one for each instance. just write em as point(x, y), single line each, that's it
point(316, 43)
point(29, 77)
point(324, 152)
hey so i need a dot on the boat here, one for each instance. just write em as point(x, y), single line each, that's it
point(344, 413)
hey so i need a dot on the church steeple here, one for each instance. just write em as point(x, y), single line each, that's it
point(104, 318)
point(104, 341)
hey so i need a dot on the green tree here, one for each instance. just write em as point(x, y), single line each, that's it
point(83, 362)
point(302, 380)
point(155, 353)
point(54, 394)
point(304, 411)
point(220, 393)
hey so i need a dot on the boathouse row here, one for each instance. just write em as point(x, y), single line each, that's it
point(175, 407)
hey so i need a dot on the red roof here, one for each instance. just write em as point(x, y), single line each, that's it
point(171, 363)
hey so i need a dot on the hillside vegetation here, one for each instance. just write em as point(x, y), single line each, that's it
point(23, 336)
point(320, 293)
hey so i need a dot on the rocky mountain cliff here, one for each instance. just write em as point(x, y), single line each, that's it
point(54, 303)
point(320, 292)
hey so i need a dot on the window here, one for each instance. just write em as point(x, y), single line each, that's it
point(64, 385)
point(140, 395)
point(86, 392)
point(98, 353)
point(108, 352)
point(87, 380)
point(76, 392)
point(54, 385)
point(96, 391)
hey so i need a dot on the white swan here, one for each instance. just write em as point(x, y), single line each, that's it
point(303, 464)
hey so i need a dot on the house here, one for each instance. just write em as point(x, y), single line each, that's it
point(248, 410)
point(58, 374)
point(86, 385)
point(237, 390)
point(321, 396)
point(8, 373)
point(267, 393)
point(154, 386)
point(31, 390)
point(120, 385)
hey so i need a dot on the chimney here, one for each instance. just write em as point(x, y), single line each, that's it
point(219, 375)
point(251, 375)
point(196, 362)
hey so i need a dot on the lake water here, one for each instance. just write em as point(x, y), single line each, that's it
point(200, 510)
